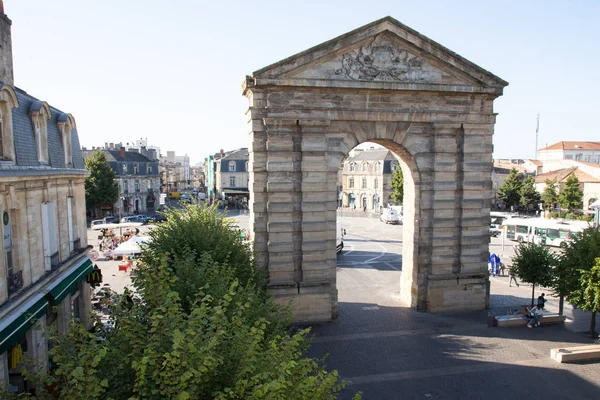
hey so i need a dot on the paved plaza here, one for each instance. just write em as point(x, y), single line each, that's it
point(388, 351)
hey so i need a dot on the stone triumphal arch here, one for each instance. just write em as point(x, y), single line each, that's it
point(388, 84)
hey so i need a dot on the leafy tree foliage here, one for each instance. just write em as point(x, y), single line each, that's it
point(588, 294)
point(571, 197)
point(529, 196)
point(223, 339)
point(550, 196)
point(398, 185)
point(510, 191)
point(534, 264)
point(100, 186)
point(579, 255)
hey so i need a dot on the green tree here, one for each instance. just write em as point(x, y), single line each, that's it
point(579, 255)
point(534, 264)
point(101, 189)
point(588, 294)
point(571, 197)
point(223, 339)
point(529, 196)
point(398, 185)
point(510, 191)
point(550, 196)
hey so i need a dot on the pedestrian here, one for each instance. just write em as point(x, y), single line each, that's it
point(542, 301)
point(493, 264)
point(364, 208)
point(502, 267)
point(511, 277)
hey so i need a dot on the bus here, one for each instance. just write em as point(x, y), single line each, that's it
point(498, 218)
point(542, 231)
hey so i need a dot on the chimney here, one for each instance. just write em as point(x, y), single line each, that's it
point(122, 152)
point(6, 59)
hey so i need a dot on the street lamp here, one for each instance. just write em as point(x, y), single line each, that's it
point(121, 208)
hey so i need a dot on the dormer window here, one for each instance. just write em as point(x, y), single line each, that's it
point(8, 101)
point(66, 123)
point(394, 165)
point(231, 166)
point(377, 166)
point(136, 168)
point(364, 167)
point(149, 169)
point(124, 165)
point(40, 114)
point(352, 167)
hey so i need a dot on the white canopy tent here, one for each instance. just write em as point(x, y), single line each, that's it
point(131, 247)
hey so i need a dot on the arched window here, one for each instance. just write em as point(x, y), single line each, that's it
point(351, 182)
point(136, 168)
point(231, 166)
point(352, 167)
point(8, 101)
point(364, 183)
point(40, 114)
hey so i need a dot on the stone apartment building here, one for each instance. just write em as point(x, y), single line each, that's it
point(367, 179)
point(231, 176)
point(578, 151)
point(44, 262)
point(175, 172)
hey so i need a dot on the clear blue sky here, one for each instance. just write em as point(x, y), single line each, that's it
point(171, 70)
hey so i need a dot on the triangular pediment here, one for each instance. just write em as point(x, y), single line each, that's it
point(383, 51)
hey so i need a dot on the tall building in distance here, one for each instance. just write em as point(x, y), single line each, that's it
point(44, 262)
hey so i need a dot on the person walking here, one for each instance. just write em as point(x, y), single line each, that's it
point(511, 277)
point(542, 301)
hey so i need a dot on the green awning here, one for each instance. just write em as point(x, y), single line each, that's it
point(16, 329)
point(66, 285)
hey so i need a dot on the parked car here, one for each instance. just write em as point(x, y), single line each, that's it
point(390, 216)
point(158, 218)
point(494, 231)
point(144, 219)
point(186, 198)
point(133, 218)
point(95, 224)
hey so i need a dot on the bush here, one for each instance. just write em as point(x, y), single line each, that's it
point(554, 215)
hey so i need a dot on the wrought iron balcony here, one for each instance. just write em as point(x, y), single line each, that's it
point(54, 261)
point(15, 282)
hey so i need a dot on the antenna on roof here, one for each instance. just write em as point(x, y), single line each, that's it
point(537, 129)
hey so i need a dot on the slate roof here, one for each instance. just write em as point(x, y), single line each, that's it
point(130, 156)
point(561, 175)
point(371, 155)
point(573, 146)
point(239, 154)
point(24, 135)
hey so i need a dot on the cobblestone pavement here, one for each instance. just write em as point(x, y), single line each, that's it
point(390, 352)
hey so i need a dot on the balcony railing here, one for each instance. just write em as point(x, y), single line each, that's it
point(15, 282)
point(54, 261)
point(76, 245)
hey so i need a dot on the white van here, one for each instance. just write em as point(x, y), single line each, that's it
point(340, 232)
point(390, 216)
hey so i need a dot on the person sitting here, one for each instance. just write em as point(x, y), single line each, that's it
point(525, 313)
point(536, 314)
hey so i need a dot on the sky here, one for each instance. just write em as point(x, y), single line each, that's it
point(171, 70)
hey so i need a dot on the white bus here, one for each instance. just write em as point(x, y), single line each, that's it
point(541, 231)
point(498, 218)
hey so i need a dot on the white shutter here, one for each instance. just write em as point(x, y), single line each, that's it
point(46, 236)
point(70, 222)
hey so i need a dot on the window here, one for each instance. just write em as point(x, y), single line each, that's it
point(364, 183)
point(124, 165)
point(376, 183)
point(125, 186)
point(149, 169)
point(136, 185)
point(8, 101)
point(231, 166)
point(7, 234)
point(51, 256)
point(246, 165)
point(1, 134)
point(232, 181)
point(351, 182)
point(376, 166)
point(568, 156)
point(40, 114)
point(70, 224)
point(136, 168)
point(578, 157)
point(352, 167)
point(364, 167)
point(394, 165)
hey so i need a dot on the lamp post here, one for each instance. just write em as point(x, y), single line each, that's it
point(120, 208)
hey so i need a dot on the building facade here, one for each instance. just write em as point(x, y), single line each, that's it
point(44, 262)
point(588, 184)
point(231, 176)
point(367, 179)
point(578, 151)
point(139, 182)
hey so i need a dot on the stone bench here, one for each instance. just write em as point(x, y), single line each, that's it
point(579, 353)
point(516, 320)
